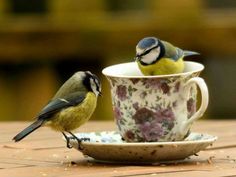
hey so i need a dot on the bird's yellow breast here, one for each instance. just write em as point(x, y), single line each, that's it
point(73, 117)
point(163, 66)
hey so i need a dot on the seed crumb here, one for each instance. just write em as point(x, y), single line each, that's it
point(209, 160)
point(43, 174)
point(55, 155)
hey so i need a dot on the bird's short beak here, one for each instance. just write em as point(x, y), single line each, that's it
point(137, 58)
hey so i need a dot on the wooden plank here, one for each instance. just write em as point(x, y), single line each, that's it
point(44, 154)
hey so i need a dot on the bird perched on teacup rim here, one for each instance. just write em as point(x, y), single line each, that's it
point(157, 57)
point(72, 106)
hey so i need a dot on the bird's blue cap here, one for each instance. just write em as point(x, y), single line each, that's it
point(147, 42)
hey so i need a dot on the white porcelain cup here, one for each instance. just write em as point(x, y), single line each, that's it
point(155, 108)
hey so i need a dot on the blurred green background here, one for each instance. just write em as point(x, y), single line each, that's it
point(44, 42)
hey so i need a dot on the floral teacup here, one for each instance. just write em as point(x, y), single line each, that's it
point(155, 108)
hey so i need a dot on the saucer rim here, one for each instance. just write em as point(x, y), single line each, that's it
point(212, 138)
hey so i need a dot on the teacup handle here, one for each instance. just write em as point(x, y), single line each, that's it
point(204, 95)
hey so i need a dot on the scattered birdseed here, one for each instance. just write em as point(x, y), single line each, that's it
point(43, 174)
point(55, 155)
point(66, 157)
point(209, 160)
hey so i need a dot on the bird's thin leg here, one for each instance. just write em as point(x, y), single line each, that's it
point(67, 141)
point(79, 140)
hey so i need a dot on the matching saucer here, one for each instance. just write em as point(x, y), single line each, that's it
point(108, 146)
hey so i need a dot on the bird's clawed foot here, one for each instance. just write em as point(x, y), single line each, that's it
point(80, 147)
point(79, 140)
point(68, 145)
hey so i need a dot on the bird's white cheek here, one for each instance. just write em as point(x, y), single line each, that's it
point(150, 57)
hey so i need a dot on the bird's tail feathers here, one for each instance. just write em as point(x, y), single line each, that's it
point(28, 130)
point(190, 53)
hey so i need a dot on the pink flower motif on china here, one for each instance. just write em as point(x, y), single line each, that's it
point(152, 123)
point(134, 80)
point(121, 92)
point(165, 88)
point(129, 135)
point(151, 131)
point(136, 106)
point(152, 83)
point(191, 107)
point(143, 115)
point(117, 113)
point(177, 87)
point(161, 84)
point(164, 115)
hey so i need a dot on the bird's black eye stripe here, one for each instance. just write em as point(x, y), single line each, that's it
point(96, 85)
point(91, 78)
point(147, 51)
point(96, 81)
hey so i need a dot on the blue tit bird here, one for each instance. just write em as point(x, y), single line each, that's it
point(72, 106)
point(157, 57)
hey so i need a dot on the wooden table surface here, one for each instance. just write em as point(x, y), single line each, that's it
point(43, 153)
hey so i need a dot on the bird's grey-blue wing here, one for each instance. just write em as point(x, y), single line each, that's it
point(172, 52)
point(58, 104)
point(175, 53)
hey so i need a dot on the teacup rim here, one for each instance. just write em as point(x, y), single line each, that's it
point(104, 71)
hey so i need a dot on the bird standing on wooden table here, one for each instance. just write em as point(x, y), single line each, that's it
point(72, 106)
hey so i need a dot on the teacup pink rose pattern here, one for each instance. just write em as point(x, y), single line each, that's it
point(145, 109)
